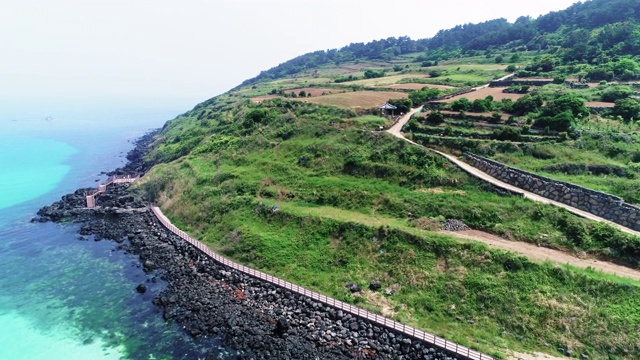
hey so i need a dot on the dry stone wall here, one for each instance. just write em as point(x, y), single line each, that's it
point(598, 203)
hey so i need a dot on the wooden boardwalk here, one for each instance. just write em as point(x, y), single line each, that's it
point(460, 351)
point(91, 197)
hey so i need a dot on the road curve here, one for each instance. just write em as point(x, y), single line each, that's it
point(396, 131)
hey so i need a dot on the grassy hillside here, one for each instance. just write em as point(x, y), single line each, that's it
point(354, 204)
point(289, 173)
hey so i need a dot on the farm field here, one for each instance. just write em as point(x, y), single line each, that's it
point(416, 86)
point(356, 99)
point(388, 80)
point(308, 90)
point(599, 104)
point(496, 92)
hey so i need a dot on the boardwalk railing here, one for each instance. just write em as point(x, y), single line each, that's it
point(459, 350)
point(121, 179)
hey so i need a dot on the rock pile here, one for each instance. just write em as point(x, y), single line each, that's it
point(454, 225)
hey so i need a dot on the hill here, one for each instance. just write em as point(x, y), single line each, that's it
point(289, 173)
point(595, 34)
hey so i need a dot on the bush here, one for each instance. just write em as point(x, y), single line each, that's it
point(342, 79)
point(435, 118)
point(371, 74)
point(507, 134)
point(613, 93)
point(560, 122)
point(462, 104)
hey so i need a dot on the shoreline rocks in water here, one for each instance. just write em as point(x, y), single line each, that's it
point(261, 320)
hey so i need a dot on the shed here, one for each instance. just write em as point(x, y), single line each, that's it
point(384, 109)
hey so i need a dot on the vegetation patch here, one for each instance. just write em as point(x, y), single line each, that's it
point(304, 187)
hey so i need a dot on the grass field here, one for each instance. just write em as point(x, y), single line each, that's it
point(356, 99)
point(386, 80)
point(356, 205)
point(417, 86)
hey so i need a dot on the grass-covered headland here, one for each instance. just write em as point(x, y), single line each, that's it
point(304, 192)
point(289, 173)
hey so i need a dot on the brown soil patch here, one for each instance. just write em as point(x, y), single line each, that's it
point(438, 190)
point(599, 104)
point(259, 99)
point(378, 299)
point(496, 92)
point(539, 253)
point(424, 223)
point(504, 116)
point(240, 294)
point(356, 99)
point(534, 356)
point(335, 242)
point(415, 86)
point(282, 192)
point(360, 66)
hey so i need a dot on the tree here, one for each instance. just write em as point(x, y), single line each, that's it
point(546, 63)
point(568, 102)
point(613, 93)
point(403, 105)
point(435, 117)
point(516, 57)
point(420, 97)
point(370, 74)
point(628, 109)
point(507, 134)
point(527, 104)
point(558, 122)
point(462, 104)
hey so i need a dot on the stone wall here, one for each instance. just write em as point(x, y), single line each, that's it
point(598, 203)
point(530, 82)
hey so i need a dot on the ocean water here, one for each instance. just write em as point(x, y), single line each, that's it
point(62, 297)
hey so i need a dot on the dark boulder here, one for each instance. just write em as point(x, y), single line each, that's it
point(142, 288)
point(353, 287)
point(374, 285)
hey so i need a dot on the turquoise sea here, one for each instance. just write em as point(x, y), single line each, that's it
point(62, 297)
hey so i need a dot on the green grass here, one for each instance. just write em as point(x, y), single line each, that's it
point(513, 303)
point(370, 121)
point(346, 193)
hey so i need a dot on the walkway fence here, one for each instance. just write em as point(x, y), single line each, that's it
point(459, 350)
point(122, 179)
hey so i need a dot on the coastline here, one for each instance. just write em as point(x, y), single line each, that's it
point(258, 319)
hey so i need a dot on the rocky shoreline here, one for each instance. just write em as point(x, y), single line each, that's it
point(260, 320)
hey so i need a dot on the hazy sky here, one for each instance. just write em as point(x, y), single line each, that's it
point(143, 53)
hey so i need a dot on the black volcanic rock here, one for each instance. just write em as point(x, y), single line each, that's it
point(259, 319)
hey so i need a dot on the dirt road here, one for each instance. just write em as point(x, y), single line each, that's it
point(531, 251)
point(395, 130)
point(538, 253)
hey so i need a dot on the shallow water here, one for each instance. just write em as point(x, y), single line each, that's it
point(62, 297)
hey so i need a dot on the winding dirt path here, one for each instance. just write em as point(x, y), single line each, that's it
point(531, 251)
point(395, 130)
point(539, 253)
